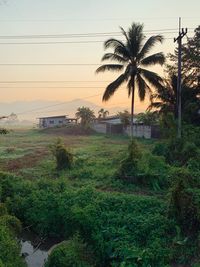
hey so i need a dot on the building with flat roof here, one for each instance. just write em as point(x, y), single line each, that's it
point(55, 121)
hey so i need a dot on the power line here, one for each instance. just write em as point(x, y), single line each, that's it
point(61, 42)
point(56, 87)
point(91, 19)
point(50, 64)
point(81, 35)
point(72, 81)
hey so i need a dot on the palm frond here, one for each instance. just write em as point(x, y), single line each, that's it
point(115, 57)
point(154, 105)
point(113, 43)
point(110, 67)
point(150, 43)
point(112, 87)
point(119, 47)
point(136, 38)
point(143, 87)
point(152, 78)
point(127, 38)
point(157, 58)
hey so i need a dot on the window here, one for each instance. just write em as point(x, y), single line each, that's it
point(51, 122)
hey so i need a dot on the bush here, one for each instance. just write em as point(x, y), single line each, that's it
point(3, 209)
point(177, 151)
point(64, 157)
point(4, 131)
point(69, 253)
point(143, 169)
point(129, 165)
point(12, 223)
point(185, 202)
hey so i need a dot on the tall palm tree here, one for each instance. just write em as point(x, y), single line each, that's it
point(132, 55)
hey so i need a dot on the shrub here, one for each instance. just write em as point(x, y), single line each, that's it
point(3, 209)
point(69, 253)
point(143, 169)
point(4, 131)
point(160, 149)
point(12, 223)
point(64, 157)
point(177, 151)
point(129, 165)
point(185, 202)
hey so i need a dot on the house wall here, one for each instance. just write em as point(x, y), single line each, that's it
point(99, 127)
point(51, 122)
point(114, 128)
point(143, 131)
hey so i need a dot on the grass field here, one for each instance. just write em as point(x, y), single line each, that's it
point(26, 152)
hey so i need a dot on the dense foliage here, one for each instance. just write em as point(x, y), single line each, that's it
point(9, 246)
point(70, 253)
point(86, 116)
point(129, 208)
point(122, 230)
point(143, 168)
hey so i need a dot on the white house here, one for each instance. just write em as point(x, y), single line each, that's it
point(55, 121)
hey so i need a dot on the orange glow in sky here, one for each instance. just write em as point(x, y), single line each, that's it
point(25, 18)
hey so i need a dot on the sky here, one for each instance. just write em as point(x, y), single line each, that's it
point(49, 17)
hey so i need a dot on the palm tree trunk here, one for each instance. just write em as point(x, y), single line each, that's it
point(132, 109)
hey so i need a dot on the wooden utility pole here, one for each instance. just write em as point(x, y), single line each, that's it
point(182, 33)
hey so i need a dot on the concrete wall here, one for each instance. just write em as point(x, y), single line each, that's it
point(99, 127)
point(143, 131)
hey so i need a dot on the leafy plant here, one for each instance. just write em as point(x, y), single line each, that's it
point(70, 253)
point(64, 157)
point(4, 131)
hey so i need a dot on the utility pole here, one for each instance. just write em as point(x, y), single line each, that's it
point(182, 33)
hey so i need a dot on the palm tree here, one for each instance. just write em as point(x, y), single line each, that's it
point(86, 115)
point(131, 57)
point(103, 113)
point(165, 99)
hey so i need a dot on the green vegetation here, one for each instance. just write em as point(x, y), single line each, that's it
point(70, 253)
point(64, 157)
point(130, 208)
point(10, 249)
point(86, 116)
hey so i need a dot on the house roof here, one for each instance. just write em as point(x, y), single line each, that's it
point(54, 117)
point(116, 121)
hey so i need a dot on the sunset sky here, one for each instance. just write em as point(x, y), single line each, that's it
point(58, 17)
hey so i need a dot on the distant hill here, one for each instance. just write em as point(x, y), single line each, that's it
point(31, 110)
